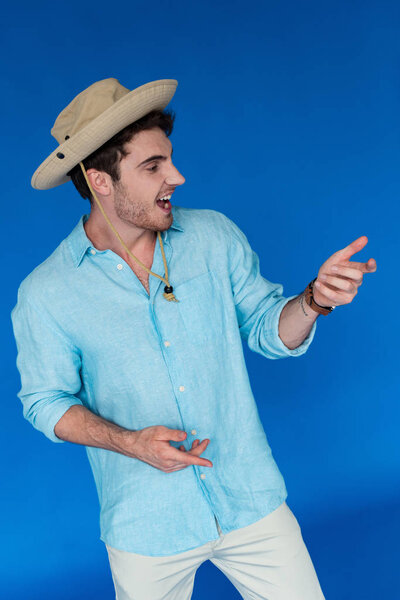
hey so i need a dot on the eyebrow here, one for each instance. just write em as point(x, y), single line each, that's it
point(154, 157)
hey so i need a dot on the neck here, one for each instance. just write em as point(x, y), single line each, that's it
point(139, 241)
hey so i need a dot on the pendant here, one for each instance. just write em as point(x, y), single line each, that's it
point(168, 295)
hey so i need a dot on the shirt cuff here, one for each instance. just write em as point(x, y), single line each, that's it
point(50, 414)
point(277, 346)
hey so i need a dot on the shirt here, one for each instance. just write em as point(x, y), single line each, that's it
point(88, 333)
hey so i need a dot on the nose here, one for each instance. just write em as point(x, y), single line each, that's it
point(174, 177)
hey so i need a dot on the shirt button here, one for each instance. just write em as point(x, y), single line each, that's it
point(202, 476)
point(182, 388)
point(193, 432)
point(167, 344)
point(92, 251)
point(119, 266)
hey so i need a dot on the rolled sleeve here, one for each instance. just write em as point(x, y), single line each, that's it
point(271, 333)
point(258, 302)
point(49, 366)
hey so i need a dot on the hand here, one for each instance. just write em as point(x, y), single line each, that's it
point(195, 444)
point(152, 446)
point(339, 279)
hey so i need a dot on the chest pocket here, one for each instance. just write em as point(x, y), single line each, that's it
point(201, 307)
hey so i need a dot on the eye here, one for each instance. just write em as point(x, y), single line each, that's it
point(152, 169)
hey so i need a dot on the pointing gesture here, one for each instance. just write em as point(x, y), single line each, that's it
point(339, 279)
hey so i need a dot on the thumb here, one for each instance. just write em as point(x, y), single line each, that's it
point(176, 435)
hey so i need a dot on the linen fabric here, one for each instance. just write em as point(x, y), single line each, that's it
point(88, 333)
point(265, 560)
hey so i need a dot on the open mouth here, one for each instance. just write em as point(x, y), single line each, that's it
point(165, 204)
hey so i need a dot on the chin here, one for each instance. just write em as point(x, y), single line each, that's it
point(165, 223)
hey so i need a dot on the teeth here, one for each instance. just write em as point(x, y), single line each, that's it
point(166, 198)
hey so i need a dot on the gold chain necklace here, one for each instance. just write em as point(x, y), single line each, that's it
point(168, 289)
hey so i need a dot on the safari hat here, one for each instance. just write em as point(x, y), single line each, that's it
point(92, 118)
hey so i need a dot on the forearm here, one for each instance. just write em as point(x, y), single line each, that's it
point(80, 426)
point(296, 321)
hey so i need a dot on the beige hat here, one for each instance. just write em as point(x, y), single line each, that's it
point(92, 118)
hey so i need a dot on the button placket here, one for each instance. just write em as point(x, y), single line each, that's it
point(158, 266)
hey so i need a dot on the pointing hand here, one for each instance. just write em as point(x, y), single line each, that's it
point(339, 279)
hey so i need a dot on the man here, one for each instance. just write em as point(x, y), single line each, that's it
point(148, 372)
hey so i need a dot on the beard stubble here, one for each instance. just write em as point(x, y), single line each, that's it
point(137, 214)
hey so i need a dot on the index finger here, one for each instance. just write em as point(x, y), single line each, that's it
point(188, 459)
point(352, 248)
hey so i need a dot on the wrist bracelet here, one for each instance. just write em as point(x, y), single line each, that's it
point(309, 298)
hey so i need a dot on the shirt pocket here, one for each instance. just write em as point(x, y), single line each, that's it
point(201, 307)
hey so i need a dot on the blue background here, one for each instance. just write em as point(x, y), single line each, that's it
point(288, 122)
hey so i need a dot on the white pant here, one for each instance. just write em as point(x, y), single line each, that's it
point(267, 560)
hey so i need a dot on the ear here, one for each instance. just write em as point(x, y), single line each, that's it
point(100, 181)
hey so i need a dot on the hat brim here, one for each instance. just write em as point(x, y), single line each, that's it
point(131, 107)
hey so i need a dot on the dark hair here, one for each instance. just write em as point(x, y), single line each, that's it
point(109, 155)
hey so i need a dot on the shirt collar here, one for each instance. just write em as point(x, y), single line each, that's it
point(79, 242)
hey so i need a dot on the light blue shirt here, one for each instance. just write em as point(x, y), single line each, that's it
point(88, 333)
